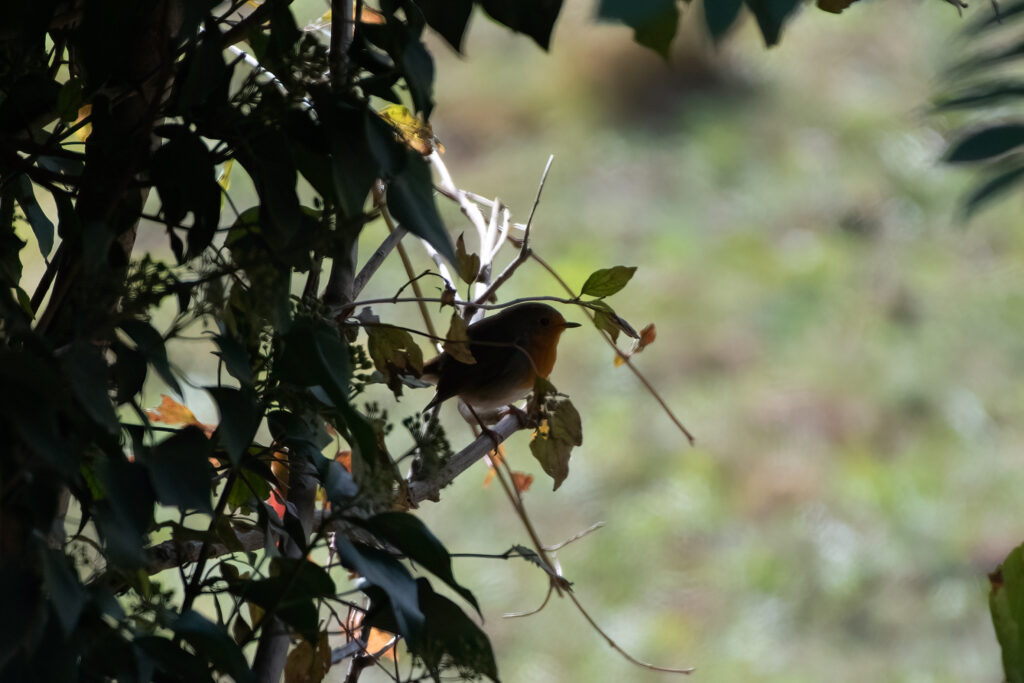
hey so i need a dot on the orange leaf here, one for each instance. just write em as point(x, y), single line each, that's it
point(276, 501)
point(494, 459)
point(380, 643)
point(173, 413)
point(345, 458)
point(647, 337)
point(522, 481)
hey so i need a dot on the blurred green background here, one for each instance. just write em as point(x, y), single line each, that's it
point(846, 349)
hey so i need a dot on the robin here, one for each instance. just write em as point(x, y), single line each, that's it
point(511, 348)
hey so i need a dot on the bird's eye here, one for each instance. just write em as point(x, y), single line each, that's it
point(545, 321)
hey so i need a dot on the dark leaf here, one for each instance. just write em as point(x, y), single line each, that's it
point(449, 636)
point(42, 226)
point(654, 22)
point(411, 200)
point(151, 345)
point(69, 99)
point(240, 417)
point(987, 143)
point(234, 356)
point(314, 355)
point(212, 642)
point(535, 18)
point(387, 573)
point(180, 470)
point(337, 482)
point(418, 67)
point(412, 537)
point(89, 376)
point(125, 510)
point(771, 15)
point(171, 659)
point(64, 589)
point(447, 17)
point(720, 15)
point(291, 593)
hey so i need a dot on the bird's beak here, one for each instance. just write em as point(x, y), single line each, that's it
point(568, 325)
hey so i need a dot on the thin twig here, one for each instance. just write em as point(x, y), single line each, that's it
point(377, 258)
point(629, 363)
point(615, 646)
point(572, 539)
point(530, 613)
point(524, 251)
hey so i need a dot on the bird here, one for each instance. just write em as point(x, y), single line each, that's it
point(511, 348)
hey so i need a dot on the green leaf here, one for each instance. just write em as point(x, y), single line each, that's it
point(411, 200)
point(412, 537)
point(42, 226)
point(552, 443)
point(240, 417)
point(987, 143)
point(212, 642)
point(654, 22)
point(448, 17)
point(1006, 604)
point(180, 470)
point(566, 424)
point(771, 15)
point(535, 18)
point(151, 345)
point(387, 573)
point(608, 281)
point(608, 320)
point(720, 15)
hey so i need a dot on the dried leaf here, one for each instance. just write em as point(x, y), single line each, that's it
point(468, 265)
point(647, 337)
point(306, 663)
point(394, 353)
point(457, 344)
point(834, 6)
point(381, 643)
point(345, 459)
point(522, 481)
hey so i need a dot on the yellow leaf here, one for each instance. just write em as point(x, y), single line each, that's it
point(457, 345)
point(414, 132)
